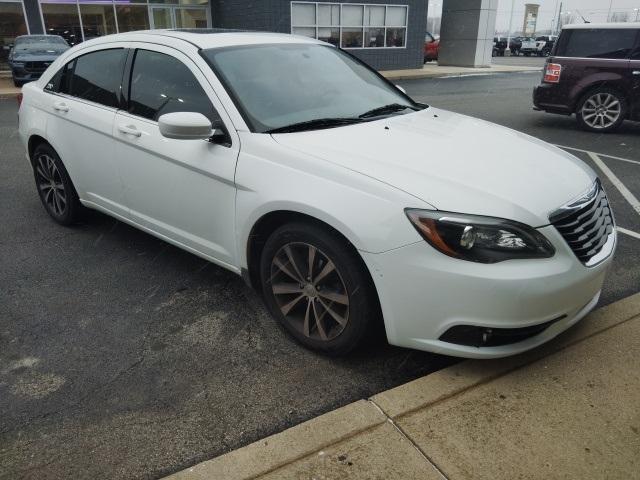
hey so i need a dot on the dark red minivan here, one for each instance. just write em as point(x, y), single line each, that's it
point(594, 72)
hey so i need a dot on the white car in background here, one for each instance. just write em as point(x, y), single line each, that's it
point(289, 162)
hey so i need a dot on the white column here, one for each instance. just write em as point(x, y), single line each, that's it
point(466, 32)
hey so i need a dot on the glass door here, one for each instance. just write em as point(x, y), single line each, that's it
point(191, 17)
point(162, 17)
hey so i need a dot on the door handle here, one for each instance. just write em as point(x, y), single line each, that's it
point(60, 107)
point(129, 130)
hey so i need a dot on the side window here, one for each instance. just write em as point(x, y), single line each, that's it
point(60, 82)
point(163, 84)
point(97, 76)
point(598, 43)
point(636, 54)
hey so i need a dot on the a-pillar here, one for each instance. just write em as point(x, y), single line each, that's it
point(466, 32)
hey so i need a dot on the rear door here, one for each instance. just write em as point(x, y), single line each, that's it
point(83, 99)
point(634, 67)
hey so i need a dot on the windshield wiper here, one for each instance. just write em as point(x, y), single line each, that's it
point(385, 109)
point(315, 124)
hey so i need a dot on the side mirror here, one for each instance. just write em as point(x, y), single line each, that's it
point(401, 89)
point(185, 126)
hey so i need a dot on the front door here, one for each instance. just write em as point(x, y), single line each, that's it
point(182, 190)
point(634, 72)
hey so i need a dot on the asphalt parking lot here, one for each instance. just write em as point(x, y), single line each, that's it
point(124, 357)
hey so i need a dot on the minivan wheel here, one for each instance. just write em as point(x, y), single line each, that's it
point(317, 288)
point(602, 110)
point(55, 188)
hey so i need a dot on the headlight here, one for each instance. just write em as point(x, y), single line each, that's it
point(479, 239)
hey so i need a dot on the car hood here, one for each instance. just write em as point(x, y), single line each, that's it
point(37, 55)
point(455, 163)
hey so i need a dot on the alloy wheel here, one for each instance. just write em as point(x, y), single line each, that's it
point(601, 111)
point(309, 291)
point(50, 184)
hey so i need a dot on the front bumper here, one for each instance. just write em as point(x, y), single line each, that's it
point(424, 293)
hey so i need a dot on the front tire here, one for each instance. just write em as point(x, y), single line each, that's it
point(601, 110)
point(317, 288)
point(56, 191)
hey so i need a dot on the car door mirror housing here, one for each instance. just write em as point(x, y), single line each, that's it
point(185, 126)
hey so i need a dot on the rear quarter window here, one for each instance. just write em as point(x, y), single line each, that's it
point(597, 43)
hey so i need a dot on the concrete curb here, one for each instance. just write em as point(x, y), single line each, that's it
point(326, 430)
point(449, 72)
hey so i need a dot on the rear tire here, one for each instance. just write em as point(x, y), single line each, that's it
point(56, 191)
point(601, 110)
point(317, 288)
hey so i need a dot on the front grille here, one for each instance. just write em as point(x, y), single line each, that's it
point(36, 67)
point(586, 223)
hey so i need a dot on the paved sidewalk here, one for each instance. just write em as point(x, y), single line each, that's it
point(566, 410)
point(433, 70)
point(7, 87)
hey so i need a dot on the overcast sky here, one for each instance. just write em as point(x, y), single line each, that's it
point(593, 10)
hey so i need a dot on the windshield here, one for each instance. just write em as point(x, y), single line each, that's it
point(40, 41)
point(284, 84)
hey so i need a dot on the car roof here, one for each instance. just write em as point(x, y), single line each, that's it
point(206, 38)
point(607, 26)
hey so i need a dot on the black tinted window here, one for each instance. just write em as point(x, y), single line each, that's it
point(97, 76)
point(162, 84)
point(597, 43)
point(61, 80)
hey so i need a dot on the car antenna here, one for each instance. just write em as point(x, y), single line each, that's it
point(582, 16)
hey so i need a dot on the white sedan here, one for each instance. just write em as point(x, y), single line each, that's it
point(345, 203)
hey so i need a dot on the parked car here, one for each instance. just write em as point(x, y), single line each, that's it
point(32, 54)
point(544, 44)
point(431, 47)
point(499, 46)
point(326, 193)
point(515, 45)
point(528, 46)
point(595, 73)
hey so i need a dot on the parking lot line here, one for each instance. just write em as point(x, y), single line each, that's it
point(600, 154)
point(629, 197)
point(628, 232)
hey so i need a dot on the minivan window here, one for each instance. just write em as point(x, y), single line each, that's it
point(97, 76)
point(163, 84)
point(597, 43)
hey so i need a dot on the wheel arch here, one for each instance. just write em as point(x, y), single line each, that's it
point(590, 84)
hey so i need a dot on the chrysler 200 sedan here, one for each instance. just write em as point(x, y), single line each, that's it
point(344, 202)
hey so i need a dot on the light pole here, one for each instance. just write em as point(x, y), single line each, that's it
point(510, 26)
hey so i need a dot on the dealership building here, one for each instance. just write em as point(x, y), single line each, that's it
point(385, 34)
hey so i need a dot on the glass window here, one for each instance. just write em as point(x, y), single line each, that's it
point(374, 37)
point(97, 76)
point(62, 79)
point(303, 14)
point(352, 15)
point(396, 37)
point(304, 31)
point(191, 18)
point(162, 84)
point(597, 43)
point(97, 20)
point(164, 1)
point(328, 15)
point(132, 17)
point(374, 16)
point(329, 35)
point(396, 17)
point(63, 20)
point(362, 26)
point(12, 24)
point(271, 83)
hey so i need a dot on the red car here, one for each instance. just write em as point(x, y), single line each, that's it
point(431, 47)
